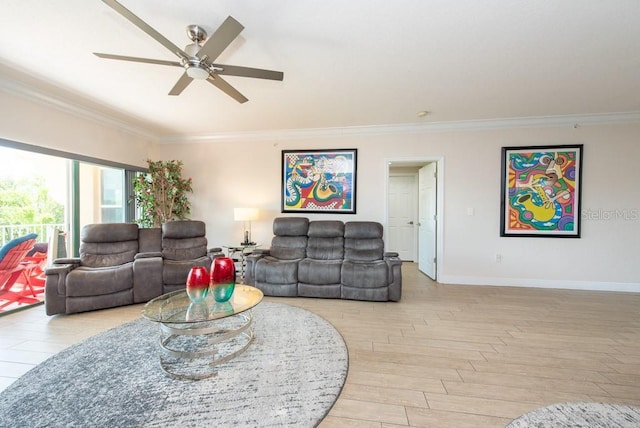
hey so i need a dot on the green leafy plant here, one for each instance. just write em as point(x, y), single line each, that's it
point(161, 194)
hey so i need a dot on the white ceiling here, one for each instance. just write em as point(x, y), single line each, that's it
point(346, 63)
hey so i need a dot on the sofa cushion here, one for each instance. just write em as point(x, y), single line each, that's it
point(326, 240)
point(109, 232)
point(325, 248)
point(290, 226)
point(179, 229)
point(273, 271)
point(368, 294)
point(150, 240)
point(363, 241)
point(84, 281)
point(176, 272)
point(365, 275)
point(107, 254)
point(288, 247)
point(363, 229)
point(319, 271)
point(324, 291)
point(184, 249)
point(108, 244)
point(363, 249)
point(326, 229)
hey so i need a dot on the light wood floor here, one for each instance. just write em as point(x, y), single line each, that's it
point(445, 356)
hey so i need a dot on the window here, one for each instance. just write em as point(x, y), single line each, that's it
point(112, 198)
point(86, 190)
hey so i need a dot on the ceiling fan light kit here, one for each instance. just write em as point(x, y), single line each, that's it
point(197, 58)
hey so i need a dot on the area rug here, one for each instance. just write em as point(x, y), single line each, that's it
point(289, 377)
point(580, 415)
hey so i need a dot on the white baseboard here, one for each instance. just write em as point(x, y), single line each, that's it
point(629, 287)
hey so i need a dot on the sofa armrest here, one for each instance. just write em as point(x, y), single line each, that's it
point(261, 252)
point(395, 277)
point(67, 261)
point(147, 255)
point(215, 252)
point(390, 254)
point(55, 287)
point(251, 260)
point(58, 269)
point(147, 277)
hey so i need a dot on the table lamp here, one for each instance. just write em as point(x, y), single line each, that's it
point(246, 215)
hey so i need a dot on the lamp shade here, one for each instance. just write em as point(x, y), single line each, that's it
point(245, 214)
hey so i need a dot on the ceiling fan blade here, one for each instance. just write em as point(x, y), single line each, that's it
point(136, 59)
point(219, 41)
point(145, 27)
point(182, 83)
point(225, 87)
point(235, 70)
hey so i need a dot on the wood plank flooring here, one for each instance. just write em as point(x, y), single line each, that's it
point(445, 356)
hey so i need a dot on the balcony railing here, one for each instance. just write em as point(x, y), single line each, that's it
point(11, 231)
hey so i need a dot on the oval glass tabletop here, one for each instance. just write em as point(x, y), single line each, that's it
point(176, 307)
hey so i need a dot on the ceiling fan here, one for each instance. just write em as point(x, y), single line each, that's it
point(197, 59)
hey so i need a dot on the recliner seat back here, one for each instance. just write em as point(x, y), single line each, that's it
point(184, 240)
point(290, 238)
point(184, 245)
point(326, 240)
point(365, 274)
point(277, 273)
point(319, 273)
point(108, 244)
point(363, 241)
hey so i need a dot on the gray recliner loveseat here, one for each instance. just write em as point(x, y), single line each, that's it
point(328, 259)
point(121, 264)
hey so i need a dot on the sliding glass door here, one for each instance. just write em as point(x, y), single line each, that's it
point(40, 192)
point(34, 194)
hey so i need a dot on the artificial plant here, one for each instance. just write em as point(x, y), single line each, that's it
point(161, 193)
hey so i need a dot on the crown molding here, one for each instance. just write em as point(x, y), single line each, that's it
point(573, 121)
point(84, 108)
point(79, 107)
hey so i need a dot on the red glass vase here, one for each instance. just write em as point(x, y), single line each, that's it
point(223, 278)
point(198, 283)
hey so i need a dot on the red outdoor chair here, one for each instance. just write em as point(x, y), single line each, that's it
point(12, 255)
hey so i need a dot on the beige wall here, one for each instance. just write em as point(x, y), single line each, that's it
point(247, 173)
point(31, 122)
point(232, 174)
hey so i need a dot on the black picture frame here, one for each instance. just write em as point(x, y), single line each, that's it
point(541, 191)
point(319, 181)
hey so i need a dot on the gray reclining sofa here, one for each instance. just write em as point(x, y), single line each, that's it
point(121, 264)
point(328, 259)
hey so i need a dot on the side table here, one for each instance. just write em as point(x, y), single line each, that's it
point(239, 253)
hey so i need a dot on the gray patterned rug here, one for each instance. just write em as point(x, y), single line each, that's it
point(289, 377)
point(580, 415)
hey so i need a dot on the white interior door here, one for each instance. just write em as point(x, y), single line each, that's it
point(402, 212)
point(427, 220)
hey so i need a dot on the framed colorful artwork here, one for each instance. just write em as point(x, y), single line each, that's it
point(540, 191)
point(320, 181)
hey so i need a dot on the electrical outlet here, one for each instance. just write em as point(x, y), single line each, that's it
point(498, 258)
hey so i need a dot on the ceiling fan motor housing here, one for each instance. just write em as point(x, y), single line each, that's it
point(196, 33)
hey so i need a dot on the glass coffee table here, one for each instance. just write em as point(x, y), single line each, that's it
point(197, 337)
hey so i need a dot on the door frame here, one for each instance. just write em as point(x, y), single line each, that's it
point(418, 161)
